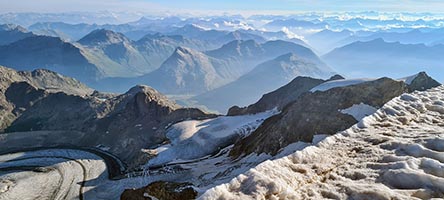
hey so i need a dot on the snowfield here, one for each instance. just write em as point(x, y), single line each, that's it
point(396, 153)
point(359, 111)
point(195, 139)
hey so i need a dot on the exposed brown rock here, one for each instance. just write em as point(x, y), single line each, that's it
point(123, 124)
point(161, 190)
point(422, 82)
point(278, 98)
point(36, 82)
point(316, 113)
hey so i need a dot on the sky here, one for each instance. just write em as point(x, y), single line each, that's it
point(209, 6)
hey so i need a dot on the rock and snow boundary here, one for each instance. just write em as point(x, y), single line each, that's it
point(396, 153)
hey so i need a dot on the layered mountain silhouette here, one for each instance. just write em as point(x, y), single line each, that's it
point(377, 58)
point(264, 78)
point(10, 33)
point(191, 72)
point(50, 53)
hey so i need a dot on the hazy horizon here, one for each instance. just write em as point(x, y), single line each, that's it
point(248, 7)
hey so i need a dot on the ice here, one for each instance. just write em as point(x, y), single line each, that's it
point(198, 138)
point(359, 111)
point(339, 83)
point(395, 153)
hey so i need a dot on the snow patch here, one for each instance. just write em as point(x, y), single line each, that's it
point(359, 111)
point(339, 83)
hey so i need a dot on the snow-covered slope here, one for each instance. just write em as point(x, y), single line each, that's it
point(396, 153)
point(339, 83)
point(194, 139)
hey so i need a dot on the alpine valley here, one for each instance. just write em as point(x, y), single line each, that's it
point(312, 105)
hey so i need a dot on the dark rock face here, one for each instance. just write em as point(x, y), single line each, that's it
point(161, 190)
point(23, 95)
point(422, 82)
point(10, 33)
point(316, 113)
point(52, 53)
point(278, 98)
point(336, 77)
point(19, 90)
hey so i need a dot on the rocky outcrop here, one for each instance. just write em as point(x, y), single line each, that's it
point(281, 97)
point(122, 124)
point(20, 89)
point(23, 95)
point(161, 190)
point(422, 82)
point(316, 113)
point(320, 112)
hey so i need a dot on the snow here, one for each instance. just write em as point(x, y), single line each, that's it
point(195, 139)
point(408, 80)
point(58, 176)
point(339, 83)
point(359, 111)
point(398, 154)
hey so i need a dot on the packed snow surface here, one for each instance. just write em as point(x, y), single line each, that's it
point(339, 83)
point(198, 138)
point(396, 153)
point(359, 111)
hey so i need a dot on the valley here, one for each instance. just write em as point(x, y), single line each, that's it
point(146, 106)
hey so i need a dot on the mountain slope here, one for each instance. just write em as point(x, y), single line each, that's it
point(119, 49)
point(281, 97)
point(379, 58)
point(384, 156)
point(255, 52)
point(49, 53)
point(20, 89)
point(322, 112)
point(122, 124)
point(262, 79)
point(214, 36)
point(10, 33)
point(189, 72)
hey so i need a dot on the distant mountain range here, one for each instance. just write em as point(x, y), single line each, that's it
point(10, 33)
point(263, 78)
point(190, 72)
point(380, 58)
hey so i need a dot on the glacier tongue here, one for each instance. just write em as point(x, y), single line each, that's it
point(396, 153)
point(196, 139)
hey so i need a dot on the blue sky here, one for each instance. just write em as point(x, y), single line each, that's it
point(221, 5)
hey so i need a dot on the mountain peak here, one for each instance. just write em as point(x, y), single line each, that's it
point(287, 57)
point(236, 48)
point(141, 89)
point(182, 51)
point(12, 27)
point(151, 94)
point(103, 36)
